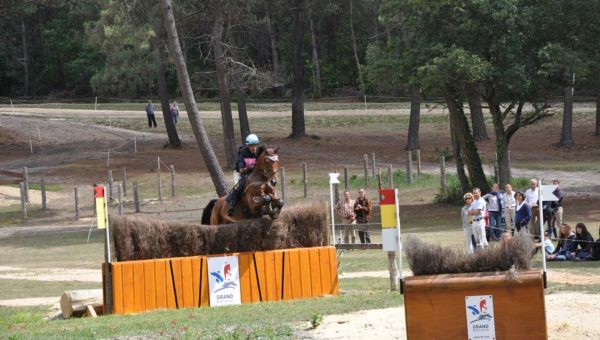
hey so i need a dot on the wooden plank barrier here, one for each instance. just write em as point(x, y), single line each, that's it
point(173, 283)
point(435, 304)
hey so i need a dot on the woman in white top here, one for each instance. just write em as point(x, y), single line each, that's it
point(467, 222)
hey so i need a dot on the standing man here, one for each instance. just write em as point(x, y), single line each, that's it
point(150, 114)
point(494, 199)
point(345, 209)
point(508, 205)
point(558, 214)
point(477, 212)
point(531, 198)
point(362, 210)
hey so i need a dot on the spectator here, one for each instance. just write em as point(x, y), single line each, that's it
point(494, 199)
point(174, 112)
point(508, 206)
point(531, 197)
point(548, 245)
point(558, 213)
point(345, 209)
point(522, 212)
point(583, 243)
point(467, 222)
point(150, 114)
point(595, 256)
point(566, 244)
point(362, 211)
point(477, 212)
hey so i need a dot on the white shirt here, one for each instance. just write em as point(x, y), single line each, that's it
point(493, 200)
point(508, 200)
point(531, 197)
point(478, 205)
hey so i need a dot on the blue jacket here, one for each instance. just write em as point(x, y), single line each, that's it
point(566, 246)
point(523, 215)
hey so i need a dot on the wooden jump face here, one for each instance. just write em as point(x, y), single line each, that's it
point(172, 283)
point(435, 305)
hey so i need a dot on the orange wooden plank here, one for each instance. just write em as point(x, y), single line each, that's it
point(305, 272)
point(160, 283)
point(169, 284)
point(325, 271)
point(128, 292)
point(117, 281)
point(287, 277)
point(149, 285)
point(253, 278)
point(270, 282)
point(278, 256)
point(196, 280)
point(178, 282)
point(245, 278)
point(295, 275)
point(186, 282)
point(138, 287)
point(204, 296)
point(335, 286)
point(315, 272)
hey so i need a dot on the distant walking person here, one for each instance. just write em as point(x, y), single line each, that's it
point(174, 112)
point(150, 114)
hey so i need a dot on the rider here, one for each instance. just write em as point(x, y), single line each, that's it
point(245, 164)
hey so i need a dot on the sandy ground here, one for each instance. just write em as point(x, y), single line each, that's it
point(11, 196)
point(564, 314)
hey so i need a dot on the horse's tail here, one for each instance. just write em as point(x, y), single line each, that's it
point(207, 211)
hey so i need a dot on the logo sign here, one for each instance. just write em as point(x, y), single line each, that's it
point(480, 317)
point(224, 281)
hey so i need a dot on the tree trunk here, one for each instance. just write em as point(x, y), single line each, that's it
point(25, 61)
point(598, 111)
point(465, 140)
point(273, 41)
point(163, 93)
point(315, 55)
point(465, 185)
point(566, 138)
point(242, 112)
point(477, 120)
point(355, 49)
point(298, 126)
point(226, 117)
point(502, 140)
point(208, 154)
point(415, 116)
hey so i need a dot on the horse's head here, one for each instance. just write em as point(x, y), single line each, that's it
point(267, 164)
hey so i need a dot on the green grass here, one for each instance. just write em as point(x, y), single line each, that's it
point(12, 214)
point(18, 289)
point(263, 320)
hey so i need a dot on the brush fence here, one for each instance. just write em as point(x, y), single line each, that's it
point(182, 282)
point(475, 306)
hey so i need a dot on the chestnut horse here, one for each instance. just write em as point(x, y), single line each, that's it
point(259, 195)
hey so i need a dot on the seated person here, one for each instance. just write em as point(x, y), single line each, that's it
point(566, 244)
point(547, 245)
point(595, 256)
point(583, 243)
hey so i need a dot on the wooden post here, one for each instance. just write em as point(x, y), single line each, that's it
point(110, 186)
point(409, 167)
point(373, 164)
point(443, 174)
point(43, 190)
point(134, 144)
point(336, 192)
point(23, 200)
point(379, 178)
point(366, 166)
point(39, 134)
point(158, 178)
point(124, 181)
point(76, 194)
point(30, 145)
point(305, 178)
point(173, 191)
point(120, 191)
point(26, 183)
point(282, 183)
point(136, 197)
point(346, 179)
point(108, 158)
point(393, 270)
point(390, 176)
point(419, 163)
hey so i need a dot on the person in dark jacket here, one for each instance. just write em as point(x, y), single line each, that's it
point(595, 256)
point(150, 114)
point(583, 243)
point(522, 212)
point(245, 164)
point(566, 244)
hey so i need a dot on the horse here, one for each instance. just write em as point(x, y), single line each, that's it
point(259, 195)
